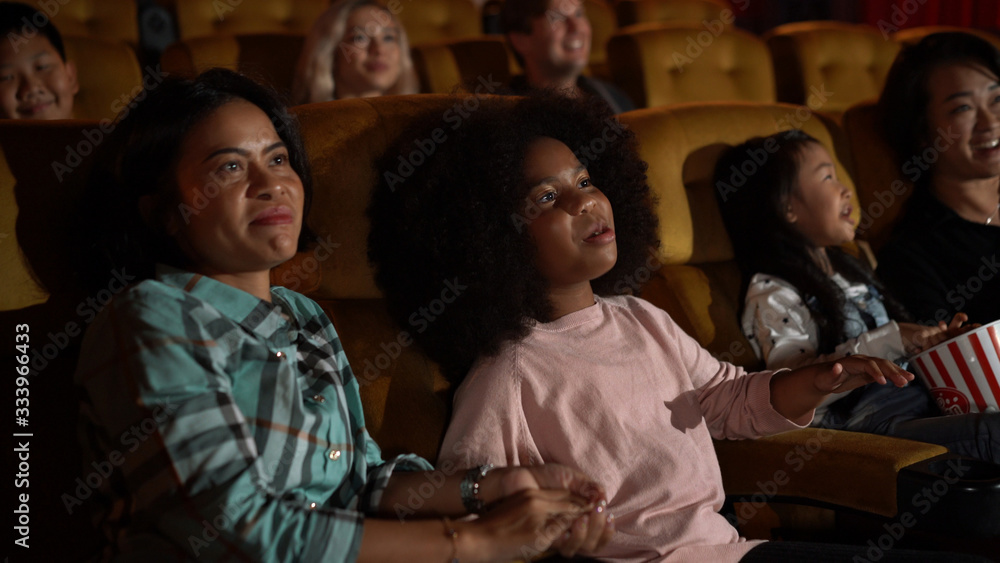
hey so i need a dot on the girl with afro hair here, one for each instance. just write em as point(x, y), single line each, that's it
point(509, 222)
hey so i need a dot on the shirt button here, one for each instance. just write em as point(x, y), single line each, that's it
point(279, 355)
point(312, 505)
point(319, 399)
point(334, 455)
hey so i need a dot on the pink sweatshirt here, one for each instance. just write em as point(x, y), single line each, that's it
point(620, 392)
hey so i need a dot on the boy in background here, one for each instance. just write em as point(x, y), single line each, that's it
point(36, 81)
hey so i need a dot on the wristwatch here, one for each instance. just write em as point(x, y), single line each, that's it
point(469, 488)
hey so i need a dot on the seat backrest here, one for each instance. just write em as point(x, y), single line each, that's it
point(848, 62)
point(661, 63)
point(603, 24)
point(196, 18)
point(43, 165)
point(102, 19)
point(108, 73)
point(268, 57)
point(433, 20)
point(696, 278)
point(912, 35)
point(443, 65)
point(404, 395)
point(646, 11)
point(883, 187)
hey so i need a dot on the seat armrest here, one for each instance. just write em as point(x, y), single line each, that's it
point(843, 469)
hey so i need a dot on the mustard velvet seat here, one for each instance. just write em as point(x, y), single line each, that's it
point(696, 280)
point(432, 20)
point(647, 11)
point(603, 24)
point(268, 57)
point(847, 62)
point(883, 187)
point(197, 18)
point(108, 73)
point(665, 63)
point(101, 19)
point(443, 65)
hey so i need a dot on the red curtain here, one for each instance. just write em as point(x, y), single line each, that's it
point(982, 14)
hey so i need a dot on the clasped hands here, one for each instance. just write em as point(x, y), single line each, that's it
point(543, 506)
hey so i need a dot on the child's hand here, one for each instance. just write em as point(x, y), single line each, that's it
point(852, 372)
point(917, 338)
point(794, 394)
point(592, 528)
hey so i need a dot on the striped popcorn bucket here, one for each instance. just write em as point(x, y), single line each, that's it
point(963, 373)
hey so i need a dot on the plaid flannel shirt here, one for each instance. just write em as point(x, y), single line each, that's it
point(232, 428)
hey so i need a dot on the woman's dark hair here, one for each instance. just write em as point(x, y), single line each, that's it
point(139, 159)
point(458, 222)
point(766, 243)
point(17, 18)
point(902, 107)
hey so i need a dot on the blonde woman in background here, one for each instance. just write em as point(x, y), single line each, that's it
point(356, 49)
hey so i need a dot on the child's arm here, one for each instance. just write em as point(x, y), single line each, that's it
point(794, 394)
point(785, 334)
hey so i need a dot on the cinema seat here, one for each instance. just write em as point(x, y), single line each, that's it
point(269, 57)
point(100, 19)
point(848, 62)
point(915, 34)
point(108, 73)
point(196, 18)
point(883, 187)
point(631, 12)
point(603, 24)
point(659, 64)
point(433, 20)
point(695, 278)
point(446, 64)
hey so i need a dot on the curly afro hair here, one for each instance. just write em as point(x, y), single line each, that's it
point(455, 224)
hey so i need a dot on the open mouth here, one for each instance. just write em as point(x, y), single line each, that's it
point(601, 234)
point(845, 213)
point(985, 146)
